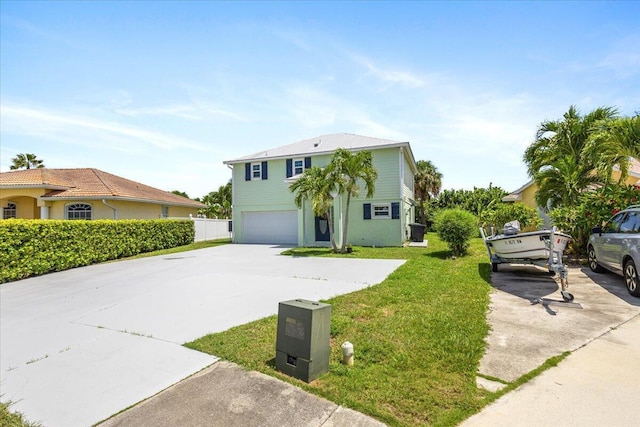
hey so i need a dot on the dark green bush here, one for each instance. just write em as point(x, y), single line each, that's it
point(593, 208)
point(33, 247)
point(456, 227)
point(497, 216)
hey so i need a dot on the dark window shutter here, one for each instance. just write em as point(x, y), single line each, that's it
point(247, 171)
point(289, 168)
point(367, 210)
point(264, 170)
point(307, 162)
point(395, 210)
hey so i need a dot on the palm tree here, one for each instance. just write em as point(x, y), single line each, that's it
point(613, 143)
point(428, 182)
point(558, 160)
point(347, 170)
point(26, 161)
point(219, 202)
point(316, 185)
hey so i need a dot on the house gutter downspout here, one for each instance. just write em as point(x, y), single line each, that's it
point(115, 211)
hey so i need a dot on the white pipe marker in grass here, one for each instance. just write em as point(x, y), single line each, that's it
point(347, 353)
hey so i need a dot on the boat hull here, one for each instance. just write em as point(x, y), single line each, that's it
point(532, 245)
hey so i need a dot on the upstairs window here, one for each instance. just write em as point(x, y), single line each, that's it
point(256, 171)
point(9, 211)
point(78, 211)
point(297, 166)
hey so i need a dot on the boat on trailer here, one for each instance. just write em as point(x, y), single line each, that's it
point(542, 248)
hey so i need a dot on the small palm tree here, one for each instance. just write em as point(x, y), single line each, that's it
point(558, 160)
point(316, 185)
point(219, 202)
point(427, 185)
point(347, 170)
point(27, 161)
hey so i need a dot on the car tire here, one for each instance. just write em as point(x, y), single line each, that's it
point(631, 278)
point(593, 261)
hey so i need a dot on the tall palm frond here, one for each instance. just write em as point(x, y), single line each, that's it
point(558, 160)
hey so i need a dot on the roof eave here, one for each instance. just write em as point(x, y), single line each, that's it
point(317, 153)
point(42, 186)
point(124, 199)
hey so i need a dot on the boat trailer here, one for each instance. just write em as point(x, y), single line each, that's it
point(553, 263)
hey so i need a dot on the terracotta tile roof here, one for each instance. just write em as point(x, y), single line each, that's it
point(90, 183)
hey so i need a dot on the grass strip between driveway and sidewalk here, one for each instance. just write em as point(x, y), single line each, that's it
point(418, 338)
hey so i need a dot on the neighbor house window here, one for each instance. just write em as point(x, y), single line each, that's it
point(9, 211)
point(78, 211)
point(165, 212)
point(381, 211)
point(298, 166)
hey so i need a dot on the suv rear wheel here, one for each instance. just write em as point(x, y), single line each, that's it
point(593, 262)
point(631, 278)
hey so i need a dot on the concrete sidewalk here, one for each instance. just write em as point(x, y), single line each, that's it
point(226, 395)
point(598, 384)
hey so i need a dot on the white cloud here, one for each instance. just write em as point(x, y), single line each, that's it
point(624, 59)
point(390, 76)
point(86, 131)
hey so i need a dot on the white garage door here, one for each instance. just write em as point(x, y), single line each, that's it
point(270, 227)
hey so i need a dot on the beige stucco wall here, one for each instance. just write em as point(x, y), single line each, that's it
point(125, 210)
point(28, 207)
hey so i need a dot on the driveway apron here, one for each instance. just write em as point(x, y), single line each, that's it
point(80, 345)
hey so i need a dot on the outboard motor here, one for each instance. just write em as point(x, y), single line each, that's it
point(511, 228)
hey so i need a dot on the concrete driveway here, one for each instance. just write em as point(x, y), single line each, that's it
point(80, 345)
point(524, 334)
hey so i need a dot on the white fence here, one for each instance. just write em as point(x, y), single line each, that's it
point(210, 229)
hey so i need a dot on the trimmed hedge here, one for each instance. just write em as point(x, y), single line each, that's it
point(33, 247)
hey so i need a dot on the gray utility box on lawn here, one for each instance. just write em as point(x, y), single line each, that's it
point(302, 344)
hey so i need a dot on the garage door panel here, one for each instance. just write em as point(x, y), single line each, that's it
point(270, 227)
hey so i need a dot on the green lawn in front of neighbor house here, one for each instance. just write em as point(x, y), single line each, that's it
point(418, 338)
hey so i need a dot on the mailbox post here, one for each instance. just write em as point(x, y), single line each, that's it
point(302, 343)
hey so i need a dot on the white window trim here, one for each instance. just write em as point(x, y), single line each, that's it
point(10, 211)
point(66, 211)
point(295, 172)
point(259, 170)
point(380, 205)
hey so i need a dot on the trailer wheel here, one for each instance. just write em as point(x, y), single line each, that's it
point(567, 296)
point(494, 267)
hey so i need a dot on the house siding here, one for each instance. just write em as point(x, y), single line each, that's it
point(394, 185)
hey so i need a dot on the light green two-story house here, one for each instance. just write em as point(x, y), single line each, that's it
point(264, 210)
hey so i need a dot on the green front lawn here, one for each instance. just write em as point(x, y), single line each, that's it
point(418, 338)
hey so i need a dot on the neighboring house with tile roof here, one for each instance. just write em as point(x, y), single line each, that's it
point(527, 193)
point(87, 193)
point(264, 210)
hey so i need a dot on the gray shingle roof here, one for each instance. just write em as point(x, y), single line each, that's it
point(324, 144)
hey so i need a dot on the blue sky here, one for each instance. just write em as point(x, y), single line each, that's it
point(163, 92)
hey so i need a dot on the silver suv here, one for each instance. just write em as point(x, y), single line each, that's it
point(616, 247)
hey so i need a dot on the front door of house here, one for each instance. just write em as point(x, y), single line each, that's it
point(322, 229)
